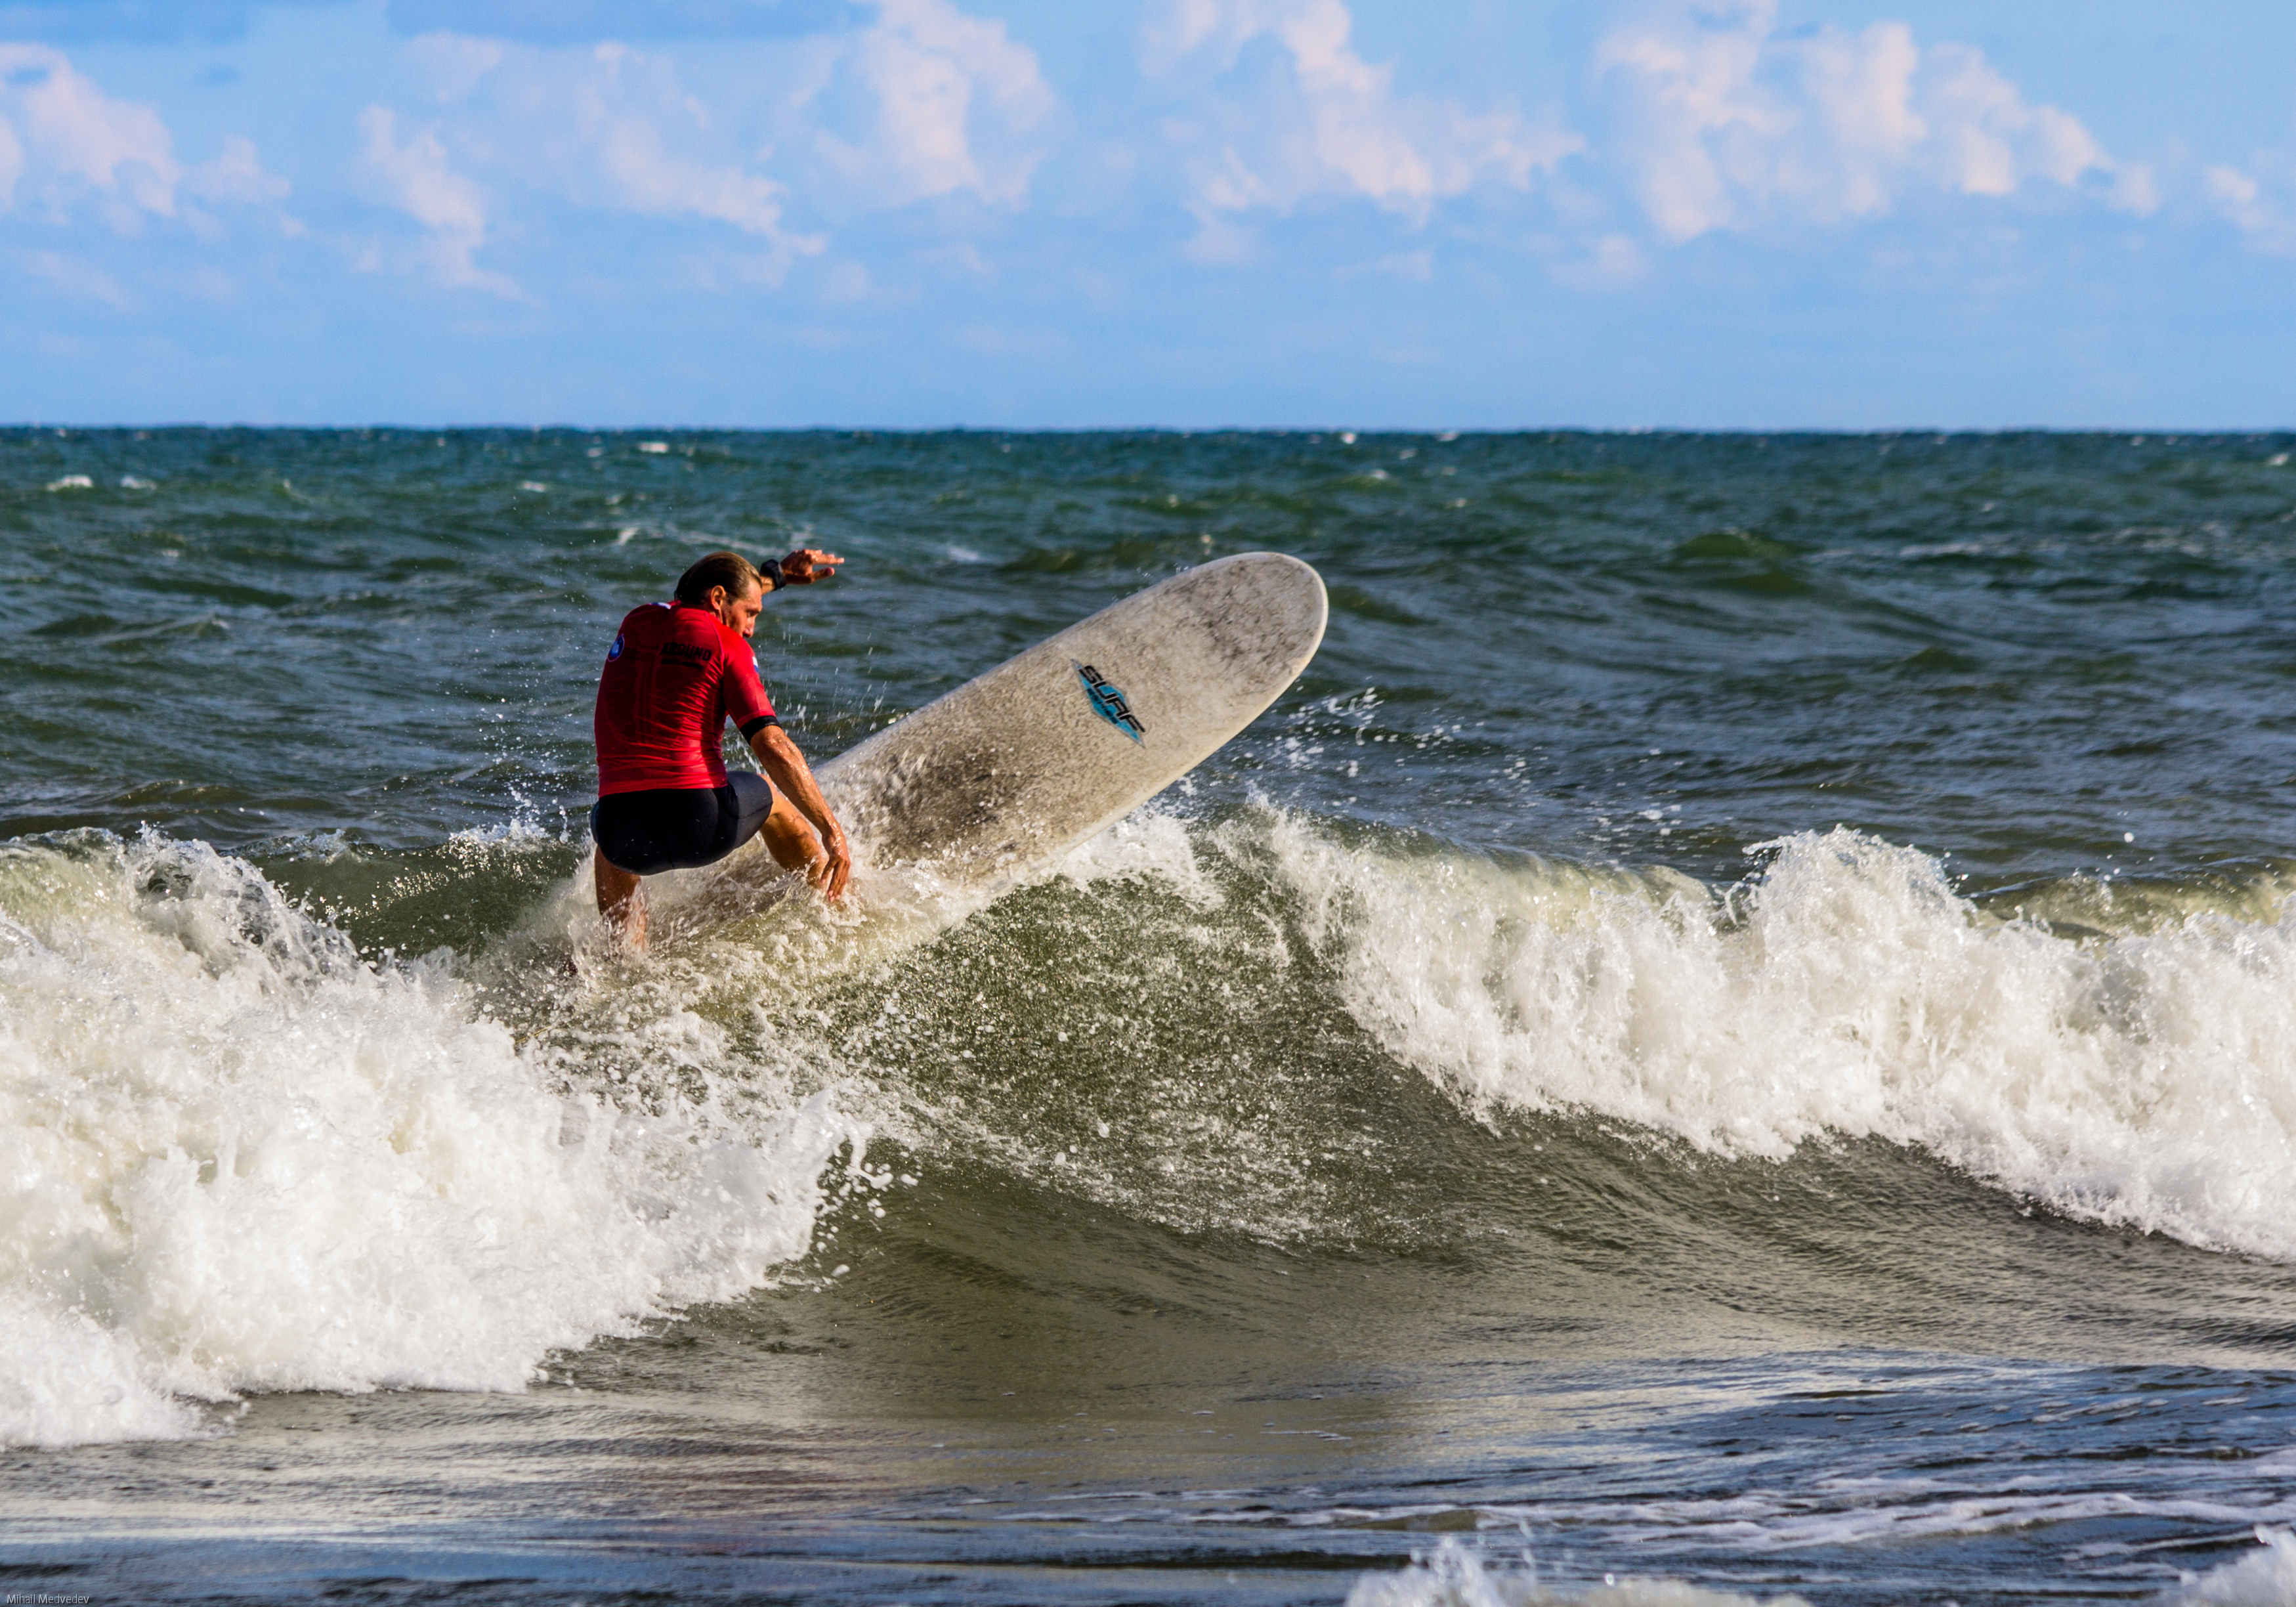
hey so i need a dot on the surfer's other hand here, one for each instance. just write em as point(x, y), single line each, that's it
point(806, 565)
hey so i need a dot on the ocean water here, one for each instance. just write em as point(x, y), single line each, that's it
point(1732, 1039)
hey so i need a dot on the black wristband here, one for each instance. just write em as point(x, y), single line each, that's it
point(771, 569)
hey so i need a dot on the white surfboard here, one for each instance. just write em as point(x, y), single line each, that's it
point(1017, 767)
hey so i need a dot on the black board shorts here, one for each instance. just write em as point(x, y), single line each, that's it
point(680, 828)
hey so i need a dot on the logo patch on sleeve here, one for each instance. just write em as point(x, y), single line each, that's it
point(615, 652)
point(1108, 702)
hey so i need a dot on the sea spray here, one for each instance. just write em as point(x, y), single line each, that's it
point(1458, 1575)
point(237, 1156)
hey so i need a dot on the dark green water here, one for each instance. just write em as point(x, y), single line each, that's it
point(1735, 1028)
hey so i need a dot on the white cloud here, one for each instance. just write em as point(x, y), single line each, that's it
point(71, 138)
point(74, 277)
point(958, 107)
point(12, 163)
point(1605, 263)
point(1219, 241)
point(1723, 122)
point(1326, 122)
point(235, 176)
point(63, 141)
point(418, 179)
point(604, 128)
point(940, 102)
point(456, 63)
point(627, 117)
point(1987, 139)
point(2260, 204)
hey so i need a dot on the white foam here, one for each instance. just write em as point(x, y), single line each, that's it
point(235, 1157)
point(521, 833)
point(1151, 842)
point(67, 1379)
point(1456, 1575)
point(2146, 1079)
point(2262, 1579)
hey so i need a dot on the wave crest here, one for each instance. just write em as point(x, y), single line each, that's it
point(236, 1156)
point(2146, 1079)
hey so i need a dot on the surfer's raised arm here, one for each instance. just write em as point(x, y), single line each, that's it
point(677, 671)
point(804, 566)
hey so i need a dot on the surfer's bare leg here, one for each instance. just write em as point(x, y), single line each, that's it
point(621, 898)
point(790, 838)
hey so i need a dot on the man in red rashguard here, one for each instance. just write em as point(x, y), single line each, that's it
point(677, 671)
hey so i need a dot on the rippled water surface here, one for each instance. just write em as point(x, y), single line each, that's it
point(1735, 1033)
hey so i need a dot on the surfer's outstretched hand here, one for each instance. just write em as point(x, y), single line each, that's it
point(829, 872)
point(806, 565)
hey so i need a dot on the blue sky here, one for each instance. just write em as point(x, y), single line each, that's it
point(1446, 213)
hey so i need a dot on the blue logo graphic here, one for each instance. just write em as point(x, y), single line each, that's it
point(615, 652)
point(1108, 702)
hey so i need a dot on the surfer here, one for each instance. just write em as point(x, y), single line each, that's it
point(677, 671)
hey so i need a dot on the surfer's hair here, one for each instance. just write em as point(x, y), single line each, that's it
point(731, 570)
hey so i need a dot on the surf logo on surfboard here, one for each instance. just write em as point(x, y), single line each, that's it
point(1108, 702)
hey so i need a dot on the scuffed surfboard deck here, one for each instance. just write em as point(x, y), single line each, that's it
point(1018, 765)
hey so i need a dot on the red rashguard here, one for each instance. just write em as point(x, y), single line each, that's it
point(674, 677)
